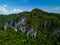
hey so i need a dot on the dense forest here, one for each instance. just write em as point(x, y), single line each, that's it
point(47, 26)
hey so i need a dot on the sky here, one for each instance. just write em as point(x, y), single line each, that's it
point(16, 6)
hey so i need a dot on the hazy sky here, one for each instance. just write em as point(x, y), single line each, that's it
point(16, 6)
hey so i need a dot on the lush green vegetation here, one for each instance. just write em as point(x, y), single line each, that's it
point(36, 19)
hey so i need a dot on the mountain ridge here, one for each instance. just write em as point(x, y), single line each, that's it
point(42, 27)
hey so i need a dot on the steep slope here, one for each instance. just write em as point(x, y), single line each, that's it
point(44, 23)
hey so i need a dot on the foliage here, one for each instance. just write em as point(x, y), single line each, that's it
point(36, 19)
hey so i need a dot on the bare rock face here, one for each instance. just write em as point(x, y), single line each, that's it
point(20, 25)
point(23, 28)
point(6, 26)
point(31, 32)
point(45, 24)
point(16, 24)
point(56, 32)
point(23, 19)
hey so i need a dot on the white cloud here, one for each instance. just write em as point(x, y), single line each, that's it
point(17, 10)
point(53, 9)
point(14, 11)
point(5, 5)
point(4, 10)
point(56, 8)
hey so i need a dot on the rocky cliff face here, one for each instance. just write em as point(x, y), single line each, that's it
point(20, 25)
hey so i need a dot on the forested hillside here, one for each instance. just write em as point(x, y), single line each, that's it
point(47, 26)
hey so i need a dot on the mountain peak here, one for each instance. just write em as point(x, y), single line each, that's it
point(37, 10)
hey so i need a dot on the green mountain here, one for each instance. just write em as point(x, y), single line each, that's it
point(47, 26)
